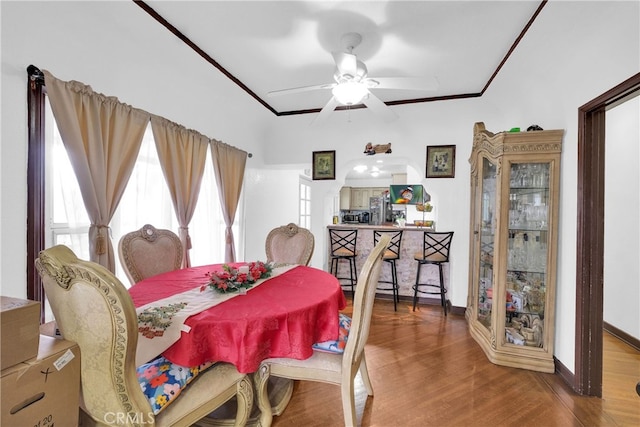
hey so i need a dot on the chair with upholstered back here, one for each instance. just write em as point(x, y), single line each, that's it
point(289, 244)
point(149, 251)
point(338, 368)
point(93, 309)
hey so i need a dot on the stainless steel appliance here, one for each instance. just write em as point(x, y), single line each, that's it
point(376, 208)
point(350, 218)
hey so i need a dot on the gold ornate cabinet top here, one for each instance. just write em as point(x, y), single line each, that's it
point(548, 141)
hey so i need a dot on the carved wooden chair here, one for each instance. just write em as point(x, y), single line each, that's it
point(93, 309)
point(331, 367)
point(289, 244)
point(149, 251)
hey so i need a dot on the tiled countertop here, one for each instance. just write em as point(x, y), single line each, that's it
point(386, 226)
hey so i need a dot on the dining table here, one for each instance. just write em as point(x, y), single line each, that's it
point(280, 316)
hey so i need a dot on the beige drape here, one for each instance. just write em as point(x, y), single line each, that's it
point(228, 165)
point(102, 137)
point(182, 153)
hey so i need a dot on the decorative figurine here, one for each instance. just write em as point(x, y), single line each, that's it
point(371, 149)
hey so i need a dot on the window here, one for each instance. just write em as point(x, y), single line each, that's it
point(67, 222)
point(305, 203)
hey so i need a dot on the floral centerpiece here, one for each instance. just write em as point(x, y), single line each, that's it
point(232, 279)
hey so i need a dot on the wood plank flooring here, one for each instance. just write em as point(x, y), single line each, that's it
point(428, 371)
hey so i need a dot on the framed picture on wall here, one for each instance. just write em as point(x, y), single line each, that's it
point(441, 161)
point(324, 165)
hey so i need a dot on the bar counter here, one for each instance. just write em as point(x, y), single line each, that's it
point(407, 266)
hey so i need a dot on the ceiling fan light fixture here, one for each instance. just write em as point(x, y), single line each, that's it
point(349, 93)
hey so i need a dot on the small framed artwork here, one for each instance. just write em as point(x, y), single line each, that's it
point(441, 161)
point(324, 165)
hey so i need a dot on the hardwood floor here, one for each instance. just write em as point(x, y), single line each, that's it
point(428, 371)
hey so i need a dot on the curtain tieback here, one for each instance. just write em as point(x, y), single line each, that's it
point(101, 239)
point(187, 236)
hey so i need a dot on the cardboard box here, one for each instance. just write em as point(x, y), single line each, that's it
point(43, 391)
point(19, 330)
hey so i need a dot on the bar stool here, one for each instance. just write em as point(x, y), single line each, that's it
point(435, 250)
point(390, 256)
point(343, 247)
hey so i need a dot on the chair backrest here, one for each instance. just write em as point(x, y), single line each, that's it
point(149, 251)
point(290, 244)
point(393, 250)
point(343, 242)
point(436, 246)
point(94, 309)
point(363, 307)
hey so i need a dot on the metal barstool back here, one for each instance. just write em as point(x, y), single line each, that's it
point(435, 251)
point(343, 247)
point(391, 254)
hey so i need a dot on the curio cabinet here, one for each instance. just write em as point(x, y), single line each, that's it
point(515, 180)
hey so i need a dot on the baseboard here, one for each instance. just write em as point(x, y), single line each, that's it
point(421, 301)
point(564, 373)
point(622, 335)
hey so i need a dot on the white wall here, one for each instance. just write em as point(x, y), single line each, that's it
point(622, 202)
point(574, 52)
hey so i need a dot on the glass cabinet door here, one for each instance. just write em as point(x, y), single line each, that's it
point(487, 236)
point(527, 253)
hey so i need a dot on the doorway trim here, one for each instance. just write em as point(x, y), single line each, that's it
point(590, 236)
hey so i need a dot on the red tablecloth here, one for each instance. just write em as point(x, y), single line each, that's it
point(282, 317)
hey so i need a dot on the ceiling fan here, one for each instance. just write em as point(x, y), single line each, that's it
point(352, 84)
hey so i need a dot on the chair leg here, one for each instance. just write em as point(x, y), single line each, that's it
point(394, 284)
point(261, 379)
point(364, 373)
point(442, 290)
point(244, 397)
point(348, 403)
point(415, 288)
point(352, 275)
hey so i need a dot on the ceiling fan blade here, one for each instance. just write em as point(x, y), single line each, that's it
point(403, 83)
point(326, 111)
point(300, 89)
point(379, 108)
point(346, 63)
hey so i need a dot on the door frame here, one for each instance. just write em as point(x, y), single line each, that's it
point(590, 236)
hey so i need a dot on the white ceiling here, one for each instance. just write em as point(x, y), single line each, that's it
point(273, 45)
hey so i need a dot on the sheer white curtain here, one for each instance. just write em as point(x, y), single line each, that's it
point(208, 247)
point(146, 200)
point(69, 222)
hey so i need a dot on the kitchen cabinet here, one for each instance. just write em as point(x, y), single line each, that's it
point(515, 181)
point(345, 198)
point(359, 198)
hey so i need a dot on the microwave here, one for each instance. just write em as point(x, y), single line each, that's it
point(350, 218)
